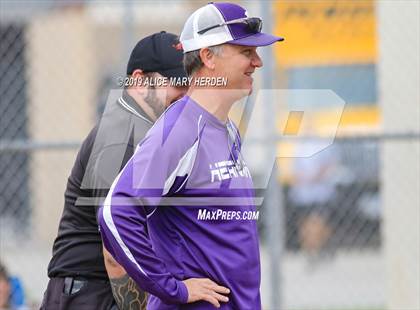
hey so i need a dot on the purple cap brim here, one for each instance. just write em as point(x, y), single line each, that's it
point(257, 39)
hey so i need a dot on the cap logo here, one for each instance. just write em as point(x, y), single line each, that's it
point(178, 46)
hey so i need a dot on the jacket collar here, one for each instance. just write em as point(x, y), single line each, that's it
point(129, 104)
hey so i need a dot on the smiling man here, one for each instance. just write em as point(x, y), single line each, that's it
point(180, 217)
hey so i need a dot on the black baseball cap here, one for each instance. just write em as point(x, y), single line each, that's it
point(160, 52)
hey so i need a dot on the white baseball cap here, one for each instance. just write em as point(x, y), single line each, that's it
point(218, 23)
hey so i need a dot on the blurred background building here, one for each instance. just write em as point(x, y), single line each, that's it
point(350, 225)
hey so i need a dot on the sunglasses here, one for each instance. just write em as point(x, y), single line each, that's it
point(254, 24)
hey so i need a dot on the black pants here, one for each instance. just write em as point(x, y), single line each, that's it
point(68, 294)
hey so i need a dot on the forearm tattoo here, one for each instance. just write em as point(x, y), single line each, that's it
point(127, 295)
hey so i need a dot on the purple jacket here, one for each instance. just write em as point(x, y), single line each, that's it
point(183, 207)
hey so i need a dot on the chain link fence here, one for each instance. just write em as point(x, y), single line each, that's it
point(13, 166)
point(332, 228)
point(57, 64)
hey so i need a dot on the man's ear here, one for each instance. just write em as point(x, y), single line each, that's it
point(138, 78)
point(207, 57)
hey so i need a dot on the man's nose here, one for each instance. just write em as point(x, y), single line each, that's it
point(257, 61)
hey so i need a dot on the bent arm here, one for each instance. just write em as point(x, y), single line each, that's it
point(124, 235)
point(123, 224)
point(126, 293)
point(135, 194)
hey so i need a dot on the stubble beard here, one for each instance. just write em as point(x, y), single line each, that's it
point(153, 101)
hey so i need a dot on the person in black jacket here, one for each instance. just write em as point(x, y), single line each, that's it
point(77, 271)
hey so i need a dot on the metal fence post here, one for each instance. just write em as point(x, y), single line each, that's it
point(273, 199)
